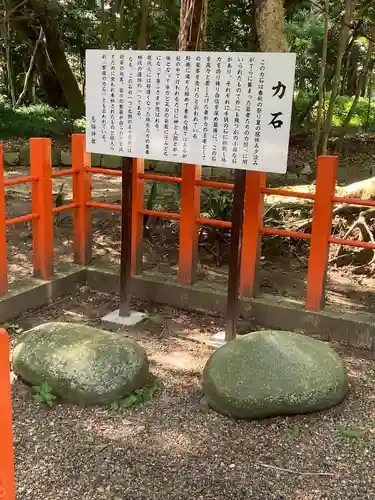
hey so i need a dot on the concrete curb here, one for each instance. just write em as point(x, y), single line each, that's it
point(353, 328)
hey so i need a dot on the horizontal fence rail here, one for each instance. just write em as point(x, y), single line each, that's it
point(41, 217)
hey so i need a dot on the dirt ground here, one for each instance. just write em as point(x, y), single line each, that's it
point(174, 447)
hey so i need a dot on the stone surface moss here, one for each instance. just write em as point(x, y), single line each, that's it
point(269, 373)
point(83, 365)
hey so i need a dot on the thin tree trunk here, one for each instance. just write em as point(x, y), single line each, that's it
point(344, 38)
point(321, 79)
point(30, 71)
point(360, 83)
point(270, 25)
point(8, 55)
point(369, 96)
point(103, 37)
point(143, 25)
point(193, 21)
point(58, 59)
point(33, 89)
point(120, 26)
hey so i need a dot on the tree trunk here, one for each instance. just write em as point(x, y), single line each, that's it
point(103, 36)
point(369, 96)
point(143, 25)
point(8, 55)
point(193, 20)
point(30, 71)
point(58, 59)
point(360, 83)
point(270, 25)
point(321, 79)
point(344, 38)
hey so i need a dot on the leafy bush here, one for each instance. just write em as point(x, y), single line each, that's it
point(39, 120)
point(342, 106)
point(217, 204)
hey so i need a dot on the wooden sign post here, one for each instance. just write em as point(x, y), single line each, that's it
point(126, 237)
point(235, 254)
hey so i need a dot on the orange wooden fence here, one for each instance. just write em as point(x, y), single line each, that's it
point(41, 177)
point(7, 490)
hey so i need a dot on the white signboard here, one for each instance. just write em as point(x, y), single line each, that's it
point(210, 108)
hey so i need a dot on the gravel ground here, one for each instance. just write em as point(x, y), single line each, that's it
point(174, 447)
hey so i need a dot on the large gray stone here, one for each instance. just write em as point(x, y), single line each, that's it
point(83, 365)
point(25, 155)
point(56, 156)
point(269, 373)
point(96, 159)
point(66, 158)
point(11, 159)
point(109, 161)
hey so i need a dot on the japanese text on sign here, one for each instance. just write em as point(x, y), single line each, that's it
point(221, 109)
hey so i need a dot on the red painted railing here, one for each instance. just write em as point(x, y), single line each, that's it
point(41, 176)
point(7, 489)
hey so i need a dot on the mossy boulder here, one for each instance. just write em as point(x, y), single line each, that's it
point(270, 373)
point(83, 365)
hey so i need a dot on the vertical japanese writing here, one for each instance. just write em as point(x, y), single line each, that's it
point(280, 90)
point(113, 103)
point(93, 129)
point(207, 84)
point(229, 67)
point(104, 97)
point(197, 83)
point(176, 106)
point(121, 102)
point(148, 105)
point(215, 123)
point(237, 109)
point(246, 135)
point(157, 92)
point(259, 105)
point(167, 104)
point(139, 85)
point(130, 103)
point(186, 106)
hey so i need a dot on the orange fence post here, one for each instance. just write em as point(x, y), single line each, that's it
point(82, 215)
point(41, 167)
point(3, 232)
point(189, 228)
point(321, 232)
point(137, 217)
point(7, 488)
point(251, 234)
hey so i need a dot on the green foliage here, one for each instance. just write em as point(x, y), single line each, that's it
point(217, 204)
point(359, 118)
point(44, 395)
point(363, 115)
point(139, 396)
point(296, 431)
point(39, 120)
point(350, 432)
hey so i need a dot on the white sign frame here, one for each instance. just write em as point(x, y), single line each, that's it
point(220, 109)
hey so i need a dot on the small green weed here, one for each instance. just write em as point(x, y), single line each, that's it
point(350, 432)
point(13, 328)
point(138, 397)
point(44, 395)
point(296, 431)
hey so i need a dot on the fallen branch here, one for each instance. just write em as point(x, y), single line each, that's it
point(296, 472)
